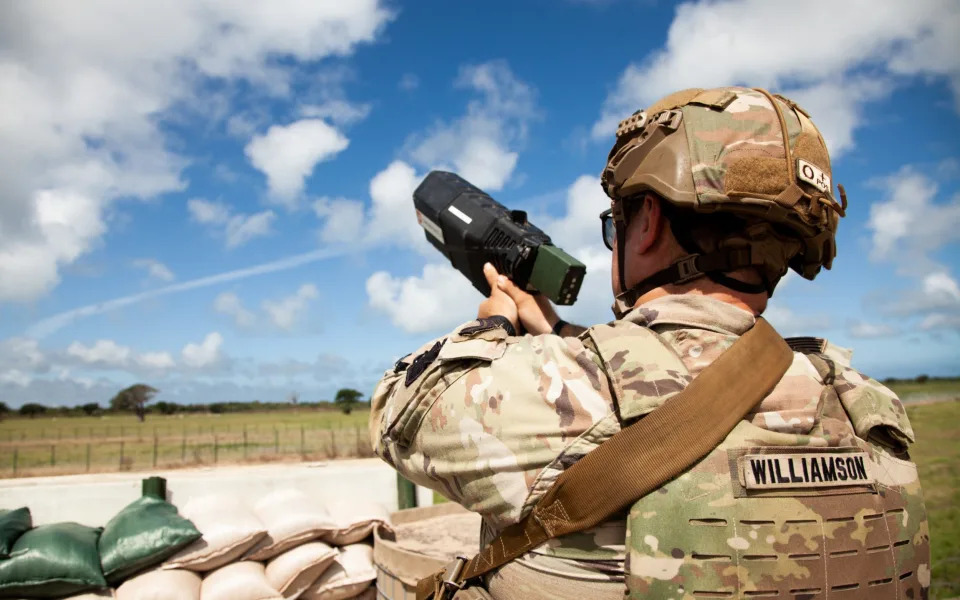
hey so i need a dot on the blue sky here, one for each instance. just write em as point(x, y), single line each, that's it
point(215, 199)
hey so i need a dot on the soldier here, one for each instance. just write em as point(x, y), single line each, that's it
point(714, 195)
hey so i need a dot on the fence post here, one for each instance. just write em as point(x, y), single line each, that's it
point(88, 457)
point(406, 493)
point(53, 455)
point(183, 447)
point(154, 448)
point(244, 442)
point(120, 466)
point(302, 447)
point(16, 459)
point(276, 441)
point(216, 449)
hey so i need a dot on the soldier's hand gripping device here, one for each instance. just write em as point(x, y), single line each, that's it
point(470, 228)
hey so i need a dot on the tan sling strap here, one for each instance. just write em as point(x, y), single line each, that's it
point(638, 459)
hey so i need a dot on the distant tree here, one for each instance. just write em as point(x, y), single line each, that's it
point(922, 378)
point(4, 410)
point(294, 398)
point(32, 409)
point(166, 408)
point(90, 408)
point(133, 398)
point(346, 399)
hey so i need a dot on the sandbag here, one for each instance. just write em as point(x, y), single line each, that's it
point(244, 580)
point(368, 594)
point(295, 570)
point(355, 521)
point(161, 585)
point(350, 574)
point(229, 529)
point(51, 561)
point(291, 518)
point(142, 535)
point(13, 524)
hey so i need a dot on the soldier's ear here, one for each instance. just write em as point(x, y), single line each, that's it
point(646, 226)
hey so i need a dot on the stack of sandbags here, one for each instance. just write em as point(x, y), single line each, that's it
point(79, 562)
point(286, 546)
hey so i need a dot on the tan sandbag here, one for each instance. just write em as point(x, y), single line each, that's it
point(161, 585)
point(295, 570)
point(355, 521)
point(350, 575)
point(244, 580)
point(229, 530)
point(291, 518)
point(368, 594)
point(104, 595)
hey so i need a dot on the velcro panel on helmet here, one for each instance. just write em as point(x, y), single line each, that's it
point(674, 100)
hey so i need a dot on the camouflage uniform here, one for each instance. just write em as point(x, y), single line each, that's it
point(490, 421)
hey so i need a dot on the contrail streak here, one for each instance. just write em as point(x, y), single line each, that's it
point(45, 327)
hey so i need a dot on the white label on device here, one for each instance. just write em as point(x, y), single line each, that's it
point(430, 227)
point(459, 213)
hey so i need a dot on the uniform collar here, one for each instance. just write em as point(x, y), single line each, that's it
point(692, 310)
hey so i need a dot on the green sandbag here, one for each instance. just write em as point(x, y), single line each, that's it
point(13, 524)
point(52, 561)
point(143, 534)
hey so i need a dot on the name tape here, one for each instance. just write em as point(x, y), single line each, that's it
point(809, 470)
point(430, 227)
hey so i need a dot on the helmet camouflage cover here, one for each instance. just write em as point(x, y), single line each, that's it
point(740, 151)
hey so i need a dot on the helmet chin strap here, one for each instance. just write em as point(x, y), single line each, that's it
point(693, 266)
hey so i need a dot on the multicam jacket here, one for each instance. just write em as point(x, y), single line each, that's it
point(491, 420)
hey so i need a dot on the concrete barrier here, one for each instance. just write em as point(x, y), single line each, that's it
point(93, 499)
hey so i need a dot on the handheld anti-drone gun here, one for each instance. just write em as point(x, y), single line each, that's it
point(470, 228)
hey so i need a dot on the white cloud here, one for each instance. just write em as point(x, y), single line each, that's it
point(478, 144)
point(156, 360)
point(86, 93)
point(788, 322)
point(909, 225)
point(864, 330)
point(437, 300)
point(409, 82)
point(48, 325)
point(229, 304)
point(16, 378)
point(243, 228)
point(937, 300)
point(337, 111)
point(155, 268)
point(205, 354)
point(392, 216)
point(288, 154)
point(208, 213)
point(713, 43)
point(285, 312)
point(22, 353)
point(236, 229)
point(106, 353)
point(342, 220)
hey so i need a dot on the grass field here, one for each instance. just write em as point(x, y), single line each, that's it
point(48, 446)
point(937, 454)
point(938, 388)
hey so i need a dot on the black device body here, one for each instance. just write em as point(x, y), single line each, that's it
point(470, 228)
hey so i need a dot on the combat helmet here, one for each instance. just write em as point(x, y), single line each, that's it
point(745, 157)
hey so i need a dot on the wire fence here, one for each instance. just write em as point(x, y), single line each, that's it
point(137, 449)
